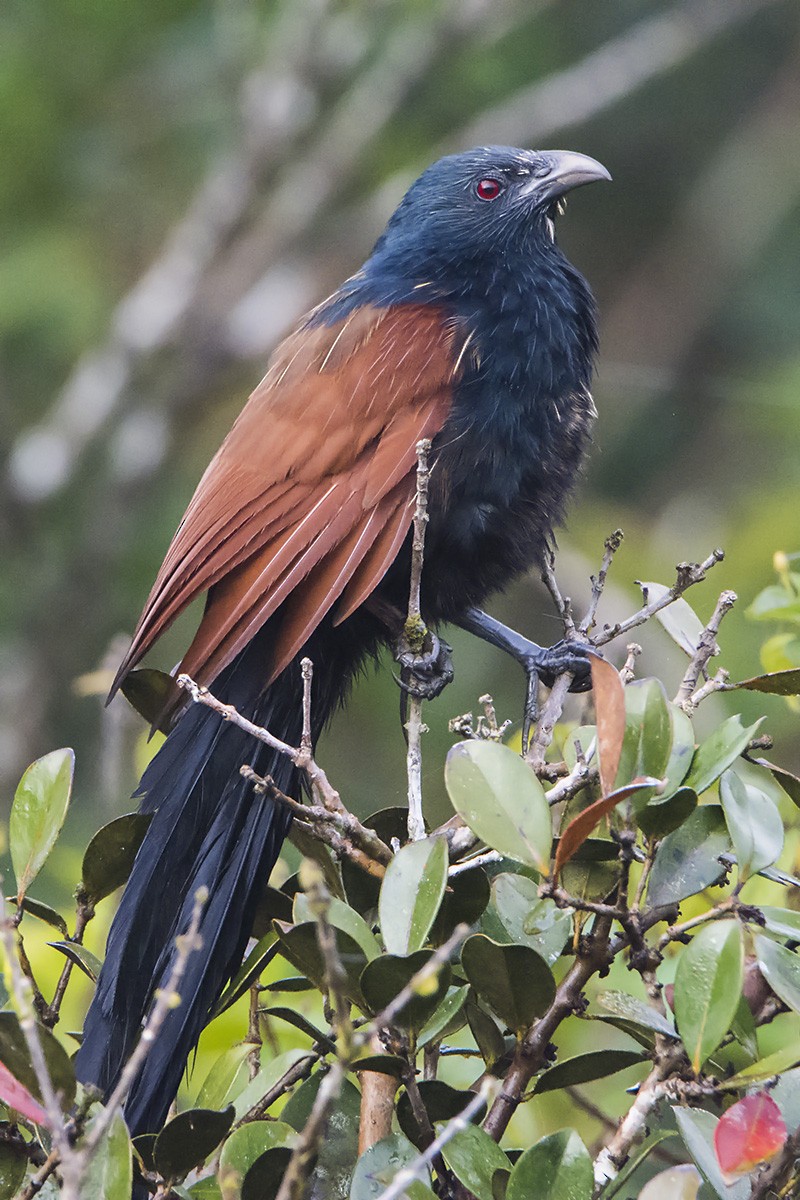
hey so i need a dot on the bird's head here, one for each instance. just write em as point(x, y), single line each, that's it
point(490, 201)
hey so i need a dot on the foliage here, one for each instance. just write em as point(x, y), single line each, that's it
point(474, 962)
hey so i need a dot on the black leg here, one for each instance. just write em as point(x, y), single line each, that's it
point(538, 662)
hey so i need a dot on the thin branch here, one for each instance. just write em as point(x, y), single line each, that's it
point(688, 574)
point(611, 546)
point(415, 633)
point(83, 915)
point(307, 670)
point(706, 649)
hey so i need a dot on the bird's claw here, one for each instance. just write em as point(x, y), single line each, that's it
point(426, 675)
point(545, 665)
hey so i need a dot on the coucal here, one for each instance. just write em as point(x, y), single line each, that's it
point(466, 325)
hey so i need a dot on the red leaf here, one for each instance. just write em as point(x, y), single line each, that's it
point(17, 1096)
point(609, 703)
point(581, 826)
point(749, 1133)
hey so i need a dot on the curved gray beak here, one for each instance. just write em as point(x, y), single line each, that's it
point(568, 170)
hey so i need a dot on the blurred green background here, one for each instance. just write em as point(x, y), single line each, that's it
point(181, 178)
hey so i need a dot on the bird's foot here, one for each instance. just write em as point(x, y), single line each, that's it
point(425, 675)
point(545, 664)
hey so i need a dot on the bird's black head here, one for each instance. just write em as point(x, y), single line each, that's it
point(490, 202)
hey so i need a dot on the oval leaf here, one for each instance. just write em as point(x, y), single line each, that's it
point(708, 984)
point(754, 823)
point(718, 751)
point(697, 1130)
point(13, 1167)
point(449, 1017)
point(15, 1056)
point(609, 702)
point(474, 1158)
point(244, 1146)
point(378, 1166)
point(776, 683)
point(556, 1168)
point(341, 916)
point(688, 859)
point(751, 1132)
point(411, 893)
point(81, 957)
point(110, 1172)
point(514, 981)
point(43, 912)
point(498, 796)
point(583, 1068)
point(330, 1179)
point(299, 945)
point(385, 977)
point(188, 1139)
point(37, 814)
point(781, 969)
point(226, 1079)
point(647, 743)
point(108, 860)
point(265, 1175)
point(518, 915)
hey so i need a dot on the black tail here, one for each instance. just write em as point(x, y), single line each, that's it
point(209, 829)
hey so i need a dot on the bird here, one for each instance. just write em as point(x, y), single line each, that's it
point(468, 326)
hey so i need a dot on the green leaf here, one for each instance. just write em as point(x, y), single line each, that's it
point(110, 1172)
point(273, 1069)
point(300, 946)
point(362, 889)
point(557, 1168)
point(14, 1054)
point(583, 1068)
point(13, 1164)
point(81, 957)
point(776, 603)
point(743, 1028)
point(310, 846)
point(449, 1017)
point(621, 1004)
point(775, 683)
point(647, 742)
point(488, 1037)
point(108, 859)
point(708, 984)
point(682, 749)
point(696, 1127)
point(783, 922)
point(226, 1079)
point(378, 1166)
point(661, 816)
point(256, 962)
point(411, 893)
point(775, 1064)
point(149, 691)
point(514, 981)
point(516, 914)
point(781, 969)
point(474, 1158)
point(43, 912)
point(385, 977)
point(301, 1022)
point(498, 796)
point(688, 859)
point(188, 1139)
point(330, 1179)
point(718, 751)
point(340, 916)
point(37, 814)
point(206, 1189)
point(788, 783)
point(244, 1147)
point(263, 1178)
point(754, 823)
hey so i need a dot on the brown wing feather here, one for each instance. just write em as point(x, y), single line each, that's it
point(310, 493)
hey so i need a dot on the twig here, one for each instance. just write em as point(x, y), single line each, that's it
point(414, 634)
point(307, 671)
point(303, 761)
point(628, 668)
point(688, 574)
point(548, 719)
point(706, 649)
point(37, 1181)
point(343, 832)
point(611, 546)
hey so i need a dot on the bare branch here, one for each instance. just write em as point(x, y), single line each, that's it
point(688, 574)
point(414, 634)
point(706, 649)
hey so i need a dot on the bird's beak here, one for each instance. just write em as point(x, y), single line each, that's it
point(568, 170)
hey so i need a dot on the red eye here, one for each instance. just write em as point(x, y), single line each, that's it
point(489, 189)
